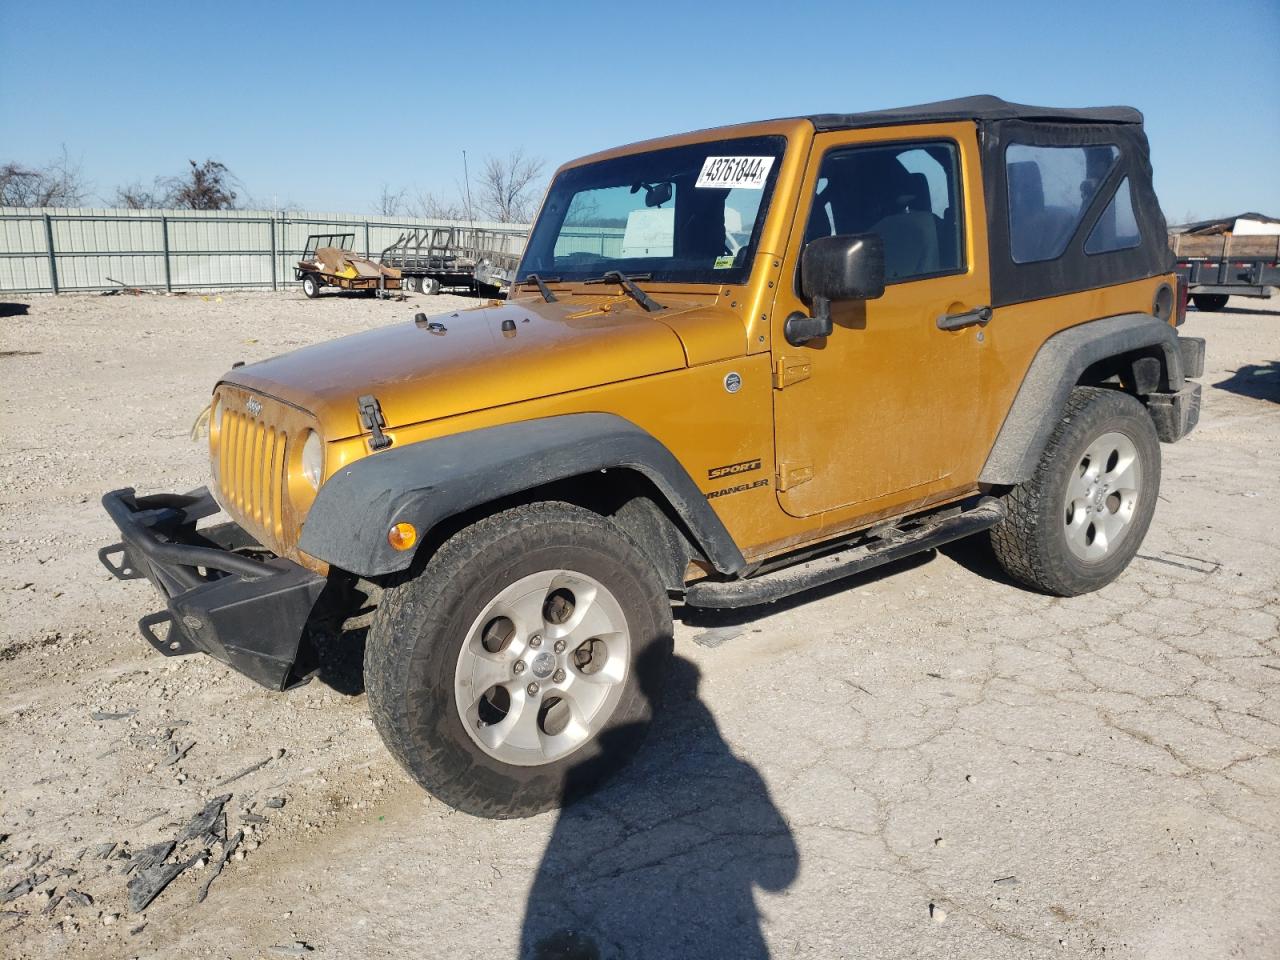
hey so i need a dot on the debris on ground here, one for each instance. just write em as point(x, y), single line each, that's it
point(243, 773)
point(78, 898)
point(716, 636)
point(100, 715)
point(176, 753)
point(148, 884)
point(228, 849)
point(124, 288)
point(295, 949)
point(23, 887)
point(202, 824)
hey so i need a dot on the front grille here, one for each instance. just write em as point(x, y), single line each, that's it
point(252, 471)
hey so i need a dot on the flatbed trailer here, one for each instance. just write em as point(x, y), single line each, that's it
point(328, 261)
point(431, 258)
point(1222, 265)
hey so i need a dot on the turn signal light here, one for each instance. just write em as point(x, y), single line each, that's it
point(402, 536)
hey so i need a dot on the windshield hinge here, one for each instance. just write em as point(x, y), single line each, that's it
point(791, 370)
point(371, 417)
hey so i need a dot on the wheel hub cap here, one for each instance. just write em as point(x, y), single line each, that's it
point(544, 664)
point(542, 667)
point(1102, 496)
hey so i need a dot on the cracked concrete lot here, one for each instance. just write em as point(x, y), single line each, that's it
point(930, 762)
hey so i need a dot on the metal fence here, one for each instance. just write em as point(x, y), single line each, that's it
point(48, 250)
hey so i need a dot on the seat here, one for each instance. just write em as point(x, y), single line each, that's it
point(910, 244)
point(1036, 232)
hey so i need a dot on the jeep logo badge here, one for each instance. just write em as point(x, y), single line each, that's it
point(732, 382)
point(253, 406)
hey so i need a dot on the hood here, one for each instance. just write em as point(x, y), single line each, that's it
point(466, 361)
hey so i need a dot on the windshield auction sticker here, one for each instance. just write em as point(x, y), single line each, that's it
point(745, 173)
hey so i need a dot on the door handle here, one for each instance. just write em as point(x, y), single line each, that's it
point(980, 316)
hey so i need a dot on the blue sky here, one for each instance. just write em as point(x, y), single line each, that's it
point(318, 104)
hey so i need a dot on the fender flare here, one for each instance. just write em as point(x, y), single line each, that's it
point(1056, 369)
point(427, 482)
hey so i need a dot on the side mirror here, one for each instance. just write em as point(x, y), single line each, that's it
point(835, 268)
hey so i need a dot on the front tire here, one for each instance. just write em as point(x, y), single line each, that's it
point(523, 664)
point(311, 286)
point(1077, 523)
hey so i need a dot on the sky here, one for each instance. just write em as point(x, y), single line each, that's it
point(317, 105)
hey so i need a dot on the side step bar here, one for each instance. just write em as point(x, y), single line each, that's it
point(768, 587)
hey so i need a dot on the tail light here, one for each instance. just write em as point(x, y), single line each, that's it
point(1180, 315)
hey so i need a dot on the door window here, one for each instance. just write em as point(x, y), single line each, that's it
point(1050, 189)
point(908, 194)
point(1117, 228)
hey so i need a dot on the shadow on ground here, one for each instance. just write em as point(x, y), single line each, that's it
point(1259, 381)
point(1243, 311)
point(664, 860)
point(13, 309)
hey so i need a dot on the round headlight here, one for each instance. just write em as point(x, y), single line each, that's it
point(313, 459)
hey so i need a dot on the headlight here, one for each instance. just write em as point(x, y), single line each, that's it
point(313, 459)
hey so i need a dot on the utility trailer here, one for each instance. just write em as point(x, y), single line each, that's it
point(430, 258)
point(328, 261)
point(1222, 265)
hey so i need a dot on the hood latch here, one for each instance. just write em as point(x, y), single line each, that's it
point(372, 418)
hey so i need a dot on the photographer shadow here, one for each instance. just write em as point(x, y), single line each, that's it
point(663, 861)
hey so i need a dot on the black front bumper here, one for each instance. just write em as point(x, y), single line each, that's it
point(248, 613)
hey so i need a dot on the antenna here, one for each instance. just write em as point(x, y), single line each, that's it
point(466, 175)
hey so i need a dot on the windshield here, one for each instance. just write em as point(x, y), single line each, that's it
point(688, 214)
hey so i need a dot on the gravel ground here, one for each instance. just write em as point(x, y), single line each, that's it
point(930, 762)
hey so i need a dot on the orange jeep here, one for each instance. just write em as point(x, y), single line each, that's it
point(736, 364)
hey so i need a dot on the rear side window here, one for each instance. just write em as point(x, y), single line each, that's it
point(908, 193)
point(1117, 228)
point(1050, 188)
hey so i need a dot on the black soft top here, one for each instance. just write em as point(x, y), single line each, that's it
point(1002, 125)
point(980, 107)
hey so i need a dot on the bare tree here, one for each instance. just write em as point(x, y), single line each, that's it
point(207, 186)
point(59, 183)
point(507, 190)
point(430, 207)
point(390, 203)
point(137, 196)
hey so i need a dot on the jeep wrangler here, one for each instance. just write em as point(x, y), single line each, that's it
point(736, 364)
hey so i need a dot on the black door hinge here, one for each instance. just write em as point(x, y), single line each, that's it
point(371, 416)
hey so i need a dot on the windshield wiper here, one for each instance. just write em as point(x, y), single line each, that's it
point(634, 292)
point(541, 284)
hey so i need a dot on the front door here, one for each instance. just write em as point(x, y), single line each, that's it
point(877, 414)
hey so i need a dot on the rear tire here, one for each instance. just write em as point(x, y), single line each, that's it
point(454, 654)
point(1077, 523)
point(1209, 302)
point(311, 285)
point(429, 285)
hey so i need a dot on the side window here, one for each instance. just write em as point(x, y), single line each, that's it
point(1050, 188)
point(906, 193)
point(1117, 228)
